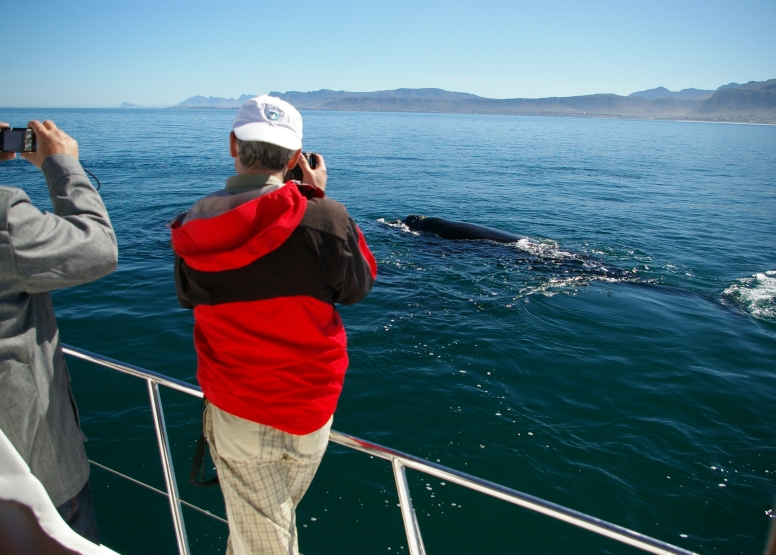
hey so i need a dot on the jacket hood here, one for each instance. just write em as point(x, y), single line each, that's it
point(226, 232)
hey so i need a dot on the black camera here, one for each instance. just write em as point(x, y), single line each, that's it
point(17, 139)
point(296, 173)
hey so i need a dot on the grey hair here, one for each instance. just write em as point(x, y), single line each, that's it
point(264, 155)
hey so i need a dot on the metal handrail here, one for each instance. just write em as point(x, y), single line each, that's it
point(160, 492)
point(400, 461)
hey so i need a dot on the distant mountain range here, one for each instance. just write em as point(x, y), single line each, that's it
point(751, 102)
point(213, 102)
point(333, 99)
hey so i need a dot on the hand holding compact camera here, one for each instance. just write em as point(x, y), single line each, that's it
point(310, 169)
point(51, 140)
point(296, 173)
point(36, 142)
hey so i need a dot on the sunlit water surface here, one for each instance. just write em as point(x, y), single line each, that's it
point(619, 360)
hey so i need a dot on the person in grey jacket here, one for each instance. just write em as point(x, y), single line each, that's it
point(41, 252)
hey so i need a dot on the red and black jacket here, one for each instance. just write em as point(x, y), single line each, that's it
point(262, 273)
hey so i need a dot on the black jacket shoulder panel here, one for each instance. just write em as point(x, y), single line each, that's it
point(327, 216)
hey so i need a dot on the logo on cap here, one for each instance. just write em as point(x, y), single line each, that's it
point(272, 113)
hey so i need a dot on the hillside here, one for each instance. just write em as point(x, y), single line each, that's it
point(662, 92)
point(750, 99)
point(213, 102)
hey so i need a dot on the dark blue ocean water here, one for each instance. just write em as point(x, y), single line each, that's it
point(620, 361)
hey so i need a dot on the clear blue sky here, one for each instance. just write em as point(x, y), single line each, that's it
point(100, 53)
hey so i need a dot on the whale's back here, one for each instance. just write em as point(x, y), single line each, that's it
point(451, 229)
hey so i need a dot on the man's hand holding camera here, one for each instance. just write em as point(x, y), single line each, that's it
point(51, 140)
point(314, 176)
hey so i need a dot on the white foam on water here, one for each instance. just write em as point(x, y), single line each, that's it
point(553, 286)
point(545, 250)
point(398, 224)
point(755, 294)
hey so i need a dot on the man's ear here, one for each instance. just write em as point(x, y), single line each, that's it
point(233, 145)
point(294, 160)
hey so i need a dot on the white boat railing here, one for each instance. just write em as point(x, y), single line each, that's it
point(399, 461)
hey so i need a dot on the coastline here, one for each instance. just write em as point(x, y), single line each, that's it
point(737, 120)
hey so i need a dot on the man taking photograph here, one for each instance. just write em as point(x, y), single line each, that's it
point(262, 263)
point(41, 252)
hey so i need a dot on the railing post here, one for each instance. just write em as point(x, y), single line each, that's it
point(411, 525)
point(169, 471)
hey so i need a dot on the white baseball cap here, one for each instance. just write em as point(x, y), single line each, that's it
point(270, 120)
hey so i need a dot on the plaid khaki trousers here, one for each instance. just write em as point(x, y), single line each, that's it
point(264, 473)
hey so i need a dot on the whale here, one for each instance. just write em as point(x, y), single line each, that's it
point(451, 229)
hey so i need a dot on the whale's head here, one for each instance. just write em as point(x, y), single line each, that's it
point(412, 220)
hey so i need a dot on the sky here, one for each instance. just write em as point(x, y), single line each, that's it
point(100, 53)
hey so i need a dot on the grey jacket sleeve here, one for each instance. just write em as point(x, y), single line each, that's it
point(74, 245)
